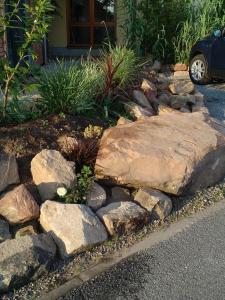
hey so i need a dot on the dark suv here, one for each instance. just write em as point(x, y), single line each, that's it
point(207, 59)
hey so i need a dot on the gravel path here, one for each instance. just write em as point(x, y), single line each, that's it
point(215, 99)
point(188, 266)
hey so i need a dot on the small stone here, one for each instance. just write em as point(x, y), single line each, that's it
point(136, 111)
point(4, 231)
point(120, 217)
point(119, 194)
point(74, 227)
point(50, 170)
point(28, 228)
point(141, 99)
point(23, 259)
point(185, 109)
point(155, 202)
point(164, 109)
point(156, 66)
point(178, 101)
point(164, 99)
point(181, 75)
point(182, 87)
point(18, 206)
point(123, 121)
point(148, 86)
point(180, 67)
point(8, 171)
point(96, 197)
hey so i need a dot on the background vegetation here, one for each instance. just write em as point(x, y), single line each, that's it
point(168, 28)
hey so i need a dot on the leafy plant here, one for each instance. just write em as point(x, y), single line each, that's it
point(33, 21)
point(84, 152)
point(78, 194)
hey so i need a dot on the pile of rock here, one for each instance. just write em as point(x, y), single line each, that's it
point(160, 94)
point(30, 235)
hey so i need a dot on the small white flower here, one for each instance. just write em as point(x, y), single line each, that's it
point(61, 191)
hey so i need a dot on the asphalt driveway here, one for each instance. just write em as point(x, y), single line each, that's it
point(215, 99)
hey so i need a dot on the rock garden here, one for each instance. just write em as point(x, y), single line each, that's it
point(67, 185)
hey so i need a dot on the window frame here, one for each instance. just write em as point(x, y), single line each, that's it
point(91, 24)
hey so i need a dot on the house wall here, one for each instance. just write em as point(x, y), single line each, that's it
point(58, 32)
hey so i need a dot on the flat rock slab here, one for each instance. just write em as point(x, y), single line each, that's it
point(174, 153)
point(8, 171)
point(120, 217)
point(51, 170)
point(23, 259)
point(157, 203)
point(18, 206)
point(74, 227)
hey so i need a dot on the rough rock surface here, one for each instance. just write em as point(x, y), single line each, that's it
point(4, 231)
point(73, 227)
point(141, 99)
point(18, 206)
point(120, 217)
point(123, 121)
point(157, 203)
point(148, 86)
point(174, 153)
point(96, 197)
point(136, 111)
point(181, 87)
point(119, 194)
point(50, 170)
point(28, 228)
point(23, 259)
point(8, 171)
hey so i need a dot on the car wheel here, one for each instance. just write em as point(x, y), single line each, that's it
point(198, 70)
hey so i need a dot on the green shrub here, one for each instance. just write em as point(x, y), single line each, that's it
point(69, 87)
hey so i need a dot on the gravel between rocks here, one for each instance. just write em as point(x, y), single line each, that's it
point(62, 271)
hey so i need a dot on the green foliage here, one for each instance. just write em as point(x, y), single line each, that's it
point(203, 18)
point(78, 194)
point(69, 87)
point(33, 21)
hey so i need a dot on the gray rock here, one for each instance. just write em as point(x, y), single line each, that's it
point(51, 170)
point(4, 231)
point(74, 227)
point(120, 217)
point(8, 171)
point(119, 194)
point(96, 197)
point(141, 99)
point(24, 259)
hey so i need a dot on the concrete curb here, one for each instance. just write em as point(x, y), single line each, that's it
point(148, 242)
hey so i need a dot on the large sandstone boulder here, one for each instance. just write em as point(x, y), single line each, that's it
point(51, 170)
point(120, 217)
point(8, 171)
point(23, 259)
point(74, 227)
point(18, 206)
point(157, 203)
point(174, 153)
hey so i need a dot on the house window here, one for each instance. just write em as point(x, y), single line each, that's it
point(90, 22)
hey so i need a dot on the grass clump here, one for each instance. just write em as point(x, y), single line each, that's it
point(69, 87)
